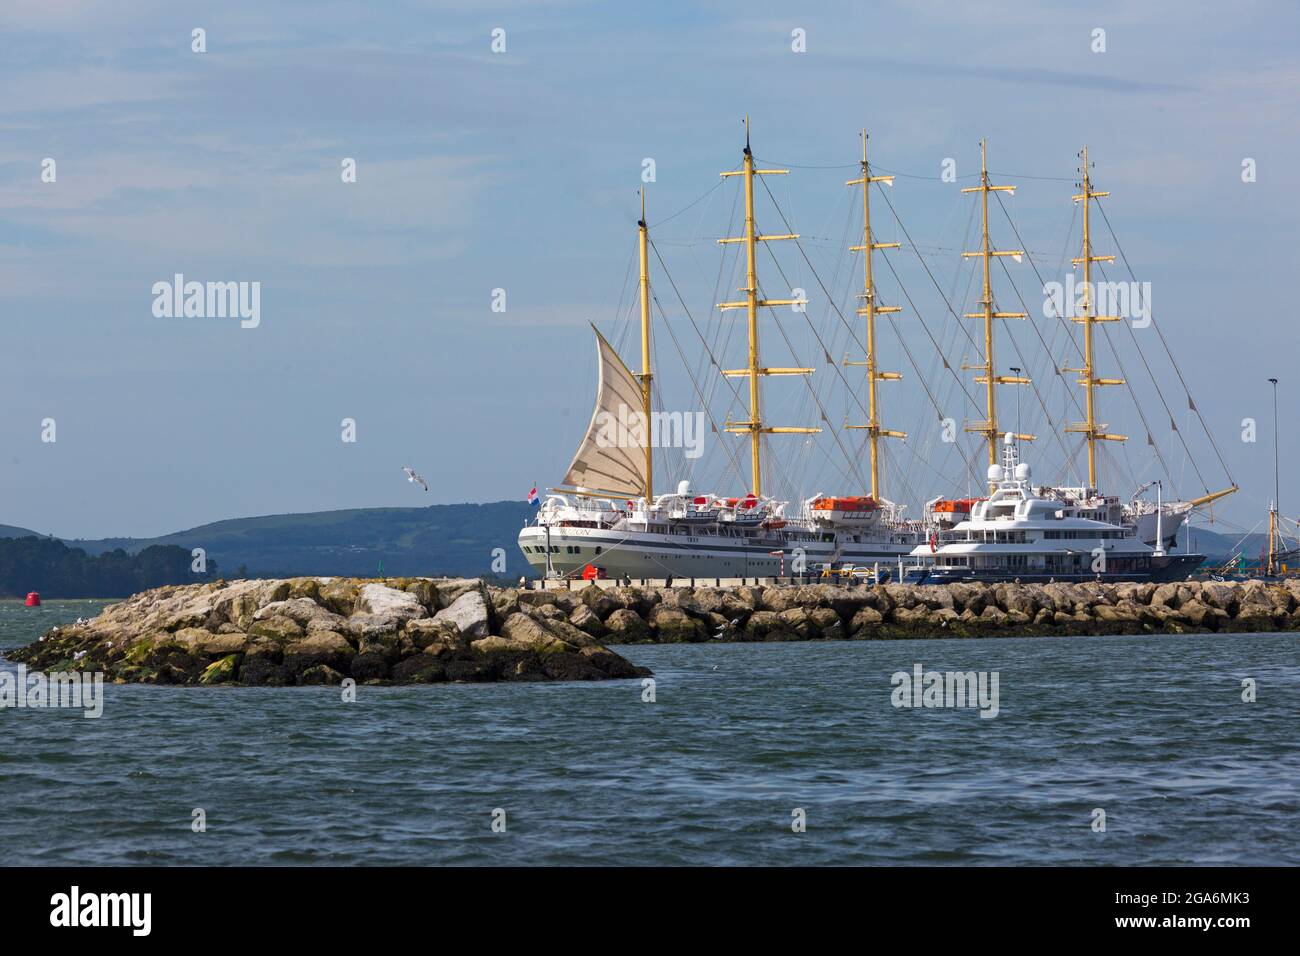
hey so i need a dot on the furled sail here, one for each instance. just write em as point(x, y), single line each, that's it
point(611, 458)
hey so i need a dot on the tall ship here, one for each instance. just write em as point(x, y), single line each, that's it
point(609, 515)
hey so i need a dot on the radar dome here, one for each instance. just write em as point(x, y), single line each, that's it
point(995, 472)
point(1022, 471)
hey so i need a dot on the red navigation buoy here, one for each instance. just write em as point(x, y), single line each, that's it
point(33, 599)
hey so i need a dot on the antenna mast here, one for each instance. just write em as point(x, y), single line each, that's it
point(751, 303)
point(871, 310)
point(1094, 431)
point(989, 427)
point(645, 376)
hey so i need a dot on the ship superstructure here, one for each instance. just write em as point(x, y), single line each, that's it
point(1017, 534)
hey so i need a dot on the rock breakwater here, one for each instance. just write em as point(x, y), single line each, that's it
point(323, 630)
point(791, 612)
point(420, 630)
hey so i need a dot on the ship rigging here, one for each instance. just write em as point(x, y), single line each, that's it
point(609, 511)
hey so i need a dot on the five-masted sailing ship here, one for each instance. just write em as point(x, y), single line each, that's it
point(607, 515)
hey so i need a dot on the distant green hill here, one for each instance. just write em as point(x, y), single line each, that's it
point(9, 531)
point(1220, 545)
point(441, 539)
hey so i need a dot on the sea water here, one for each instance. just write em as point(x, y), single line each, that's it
point(790, 753)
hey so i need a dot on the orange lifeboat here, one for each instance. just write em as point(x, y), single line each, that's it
point(850, 509)
point(849, 503)
point(948, 512)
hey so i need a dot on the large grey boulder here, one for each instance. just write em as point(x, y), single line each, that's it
point(304, 611)
point(469, 614)
point(383, 601)
point(626, 627)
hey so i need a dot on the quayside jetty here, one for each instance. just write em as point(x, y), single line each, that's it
point(322, 631)
point(422, 630)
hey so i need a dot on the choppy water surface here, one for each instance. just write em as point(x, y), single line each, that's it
point(1152, 730)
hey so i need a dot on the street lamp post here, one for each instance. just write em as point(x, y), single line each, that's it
point(1273, 532)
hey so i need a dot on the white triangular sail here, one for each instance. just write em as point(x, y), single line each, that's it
point(611, 458)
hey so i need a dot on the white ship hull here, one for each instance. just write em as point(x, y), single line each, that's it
point(1170, 523)
point(646, 554)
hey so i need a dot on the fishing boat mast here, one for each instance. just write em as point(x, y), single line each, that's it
point(1090, 428)
point(751, 303)
point(989, 427)
point(643, 235)
point(870, 310)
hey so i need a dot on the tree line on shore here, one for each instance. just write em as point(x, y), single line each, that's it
point(50, 567)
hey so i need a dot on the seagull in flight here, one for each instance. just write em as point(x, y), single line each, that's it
point(412, 476)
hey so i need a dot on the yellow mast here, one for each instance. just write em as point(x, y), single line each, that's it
point(1087, 375)
point(871, 310)
point(645, 376)
point(754, 426)
point(989, 427)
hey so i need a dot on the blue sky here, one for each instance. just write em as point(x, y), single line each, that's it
point(519, 171)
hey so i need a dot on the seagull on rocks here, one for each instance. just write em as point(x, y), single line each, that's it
point(729, 627)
